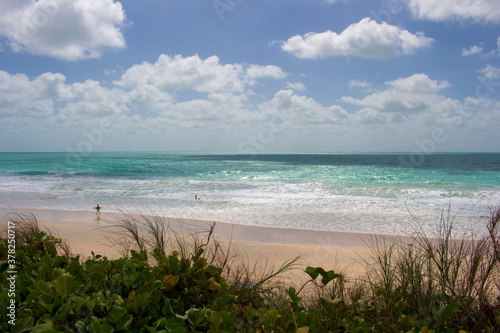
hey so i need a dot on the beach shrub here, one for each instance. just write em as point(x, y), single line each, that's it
point(176, 294)
point(429, 284)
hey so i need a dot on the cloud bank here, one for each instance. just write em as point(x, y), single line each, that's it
point(181, 97)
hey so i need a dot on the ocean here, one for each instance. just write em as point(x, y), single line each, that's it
point(344, 192)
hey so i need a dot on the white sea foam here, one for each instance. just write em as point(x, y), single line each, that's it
point(321, 197)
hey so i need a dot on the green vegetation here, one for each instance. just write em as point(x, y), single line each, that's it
point(171, 283)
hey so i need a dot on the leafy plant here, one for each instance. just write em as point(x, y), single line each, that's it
point(439, 284)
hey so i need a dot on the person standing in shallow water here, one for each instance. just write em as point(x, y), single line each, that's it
point(98, 210)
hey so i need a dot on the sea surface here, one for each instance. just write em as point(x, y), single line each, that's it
point(345, 192)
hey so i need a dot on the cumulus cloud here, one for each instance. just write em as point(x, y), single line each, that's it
point(63, 29)
point(418, 83)
point(482, 11)
point(489, 73)
point(144, 103)
point(298, 111)
point(38, 97)
point(369, 116)
point(472, 50)
point(216, 93)
point(271, 71)
point(364, 85)
point(366, 38)
point(414, 106)
point(416, 93)
point(222, 83)
point(295, 86)
point(20, 95)
point(480, 51)
point(181, 73)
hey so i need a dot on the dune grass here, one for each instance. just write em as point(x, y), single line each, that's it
point(190, 281)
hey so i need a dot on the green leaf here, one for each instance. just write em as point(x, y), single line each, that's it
point(81, 327)
point(293, 295)
point(326, 276)
point(43, 324)
point(126, 321)
point(64, 284)
point(64, 310)
point(228, 318)
point(139, 256)
point(46, 301)
point(328, 304)
point(223, 302)
point(117, 313)
point(445, 312)
point(23, 325)
point(313, 272)
point(97, 327)
point(141, 300)
point(98, 276)
point(147, 276)
point(176, 325)
point(44, 287)
point(166, 310)
point(194, 316)
point(56, 272)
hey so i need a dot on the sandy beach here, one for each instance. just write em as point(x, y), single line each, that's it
point(255, 244)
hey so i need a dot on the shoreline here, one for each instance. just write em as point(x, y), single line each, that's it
point(349, 238)
point(269, 246)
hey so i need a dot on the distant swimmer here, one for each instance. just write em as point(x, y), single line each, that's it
point(98, 210)
point(196, 197)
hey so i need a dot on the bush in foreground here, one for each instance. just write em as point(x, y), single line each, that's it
point(429, 284)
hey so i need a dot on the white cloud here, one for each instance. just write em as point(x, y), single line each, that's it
point(369, 116)
point(49, 95)
point(180, 73)
point(63, 29)
point(295, 86)
point(479, 50)
point(489, 73)
point(472, 50)
point(366, 38)
point(364, 85)
point(19, 95)
point(271, 71)
point(482, 11)
point(171, 74)
point(418, 83)
point(297, 112)
point(211, 93)
point(416, 93)
point(145, 105)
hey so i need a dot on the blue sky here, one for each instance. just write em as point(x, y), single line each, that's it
point(250, 76)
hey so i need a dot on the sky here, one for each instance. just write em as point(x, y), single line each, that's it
point(250, 76)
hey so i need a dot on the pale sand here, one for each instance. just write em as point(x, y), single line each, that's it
point(327, 249)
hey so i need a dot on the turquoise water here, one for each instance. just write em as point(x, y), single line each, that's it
point(351, 192)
